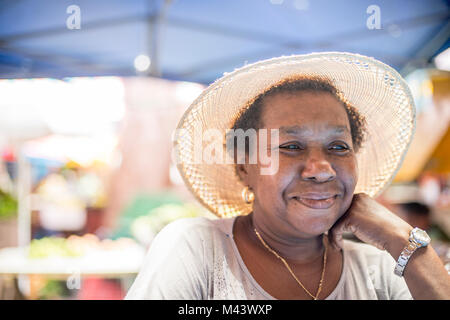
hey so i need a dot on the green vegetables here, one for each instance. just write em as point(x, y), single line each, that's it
point(52, 290)
point(50, 247)
point(8, 205)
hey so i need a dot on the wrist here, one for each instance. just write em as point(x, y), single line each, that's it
point(398, 241)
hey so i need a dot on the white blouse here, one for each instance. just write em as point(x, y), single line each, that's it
point(197, 258)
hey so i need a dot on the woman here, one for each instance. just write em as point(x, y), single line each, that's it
point(343, 124)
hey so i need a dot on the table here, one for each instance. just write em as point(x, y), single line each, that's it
point(111, 263)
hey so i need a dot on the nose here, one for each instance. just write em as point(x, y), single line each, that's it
point(317, 167)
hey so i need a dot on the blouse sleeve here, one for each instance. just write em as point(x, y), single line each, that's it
point(173, 267)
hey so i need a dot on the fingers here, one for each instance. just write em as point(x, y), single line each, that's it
point(335, 235)
point(344, 224)
point(337, 231)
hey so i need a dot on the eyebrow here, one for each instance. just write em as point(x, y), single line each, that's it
point(295, 130)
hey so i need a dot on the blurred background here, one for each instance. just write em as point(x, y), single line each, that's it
point(91, 91)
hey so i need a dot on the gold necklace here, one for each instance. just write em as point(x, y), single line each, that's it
point(290, 270)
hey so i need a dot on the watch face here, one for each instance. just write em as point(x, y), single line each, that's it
point(420, 236)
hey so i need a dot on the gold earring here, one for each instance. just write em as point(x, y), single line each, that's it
point(247, 195)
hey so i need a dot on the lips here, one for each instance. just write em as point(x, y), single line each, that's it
point(316, 200)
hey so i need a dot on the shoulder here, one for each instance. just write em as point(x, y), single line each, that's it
point(176, 263)
point(194, 231)
point(188, 227)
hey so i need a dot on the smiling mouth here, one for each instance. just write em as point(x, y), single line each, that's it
point(317, 203)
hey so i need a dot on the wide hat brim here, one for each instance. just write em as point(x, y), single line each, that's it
point(378, 92)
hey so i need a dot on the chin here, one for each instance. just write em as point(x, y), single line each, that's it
point(313, 223)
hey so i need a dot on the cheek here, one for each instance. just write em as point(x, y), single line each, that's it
point(350, 179)
point(348, 174)
point(353, 175)
point(269, 190)
point(266, 188)
point(272, 175)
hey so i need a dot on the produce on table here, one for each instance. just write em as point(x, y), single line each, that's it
point(74, 246)
point(8, 205)
point(51, 246)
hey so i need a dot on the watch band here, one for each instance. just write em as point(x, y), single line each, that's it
point(404, 257)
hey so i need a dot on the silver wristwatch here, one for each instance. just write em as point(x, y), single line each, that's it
point(417, 238)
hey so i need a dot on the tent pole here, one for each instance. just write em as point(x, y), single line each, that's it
point(23, 195)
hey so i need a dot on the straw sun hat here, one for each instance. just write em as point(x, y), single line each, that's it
point(375, 89)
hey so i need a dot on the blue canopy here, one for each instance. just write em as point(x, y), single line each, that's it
point(198, 40)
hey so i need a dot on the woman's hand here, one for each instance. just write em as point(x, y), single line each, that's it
point(372, 223)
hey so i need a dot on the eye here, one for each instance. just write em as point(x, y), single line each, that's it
point(340, 147)
point(290, 146)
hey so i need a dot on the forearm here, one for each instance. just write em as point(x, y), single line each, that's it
point(424, 274)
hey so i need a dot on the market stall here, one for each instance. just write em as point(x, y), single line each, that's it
point(70, 208)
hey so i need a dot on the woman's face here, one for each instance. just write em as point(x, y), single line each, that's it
point(317, 171)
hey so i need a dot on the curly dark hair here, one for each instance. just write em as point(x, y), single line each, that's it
point(250, 116)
